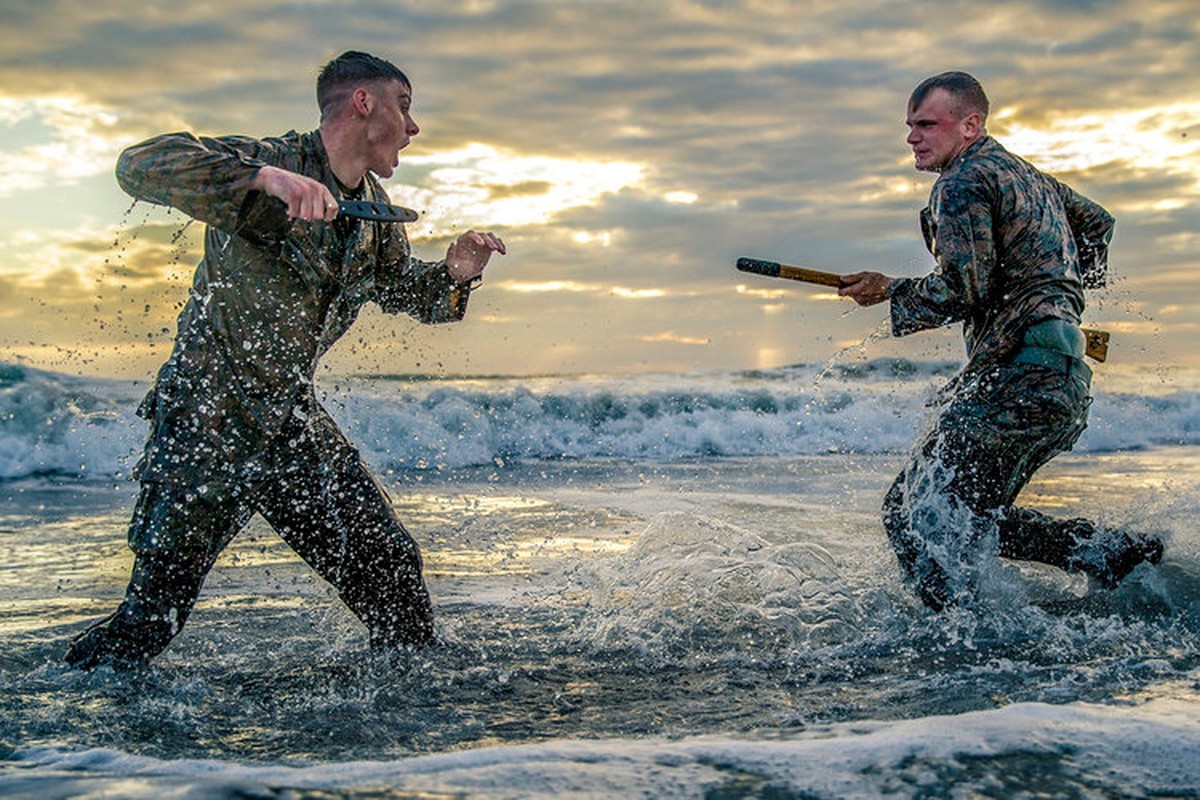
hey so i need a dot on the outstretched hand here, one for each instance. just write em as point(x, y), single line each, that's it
point(865, 288)
point(305, 198)
point(469, 254)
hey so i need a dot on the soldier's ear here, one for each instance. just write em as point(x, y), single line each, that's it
point(361, 100)
point(972, 124)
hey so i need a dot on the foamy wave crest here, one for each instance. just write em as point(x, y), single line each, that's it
point(1125, 421)
point(877, 407)
point(1077, 749)
point(651, 418)
point(53, 424)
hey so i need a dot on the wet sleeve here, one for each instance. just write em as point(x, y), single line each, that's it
point(964, 250)
point(206, 178)
point(422, 289)
point(1092, 228)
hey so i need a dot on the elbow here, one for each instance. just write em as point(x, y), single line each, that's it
point(125, 169)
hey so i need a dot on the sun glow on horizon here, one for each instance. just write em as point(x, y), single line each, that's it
point(671, 337)
point(579, 287)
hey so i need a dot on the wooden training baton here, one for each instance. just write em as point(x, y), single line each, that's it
point(1097, 340)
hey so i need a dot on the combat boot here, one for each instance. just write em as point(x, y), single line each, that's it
point(1112, 554)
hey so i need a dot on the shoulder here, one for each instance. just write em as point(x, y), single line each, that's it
point(1006, 168)
point(983, 159)
point(982, 173)
point(285, 151)
point(297, 152)
point(284, 144)
point(968, 181)
point(290, 142)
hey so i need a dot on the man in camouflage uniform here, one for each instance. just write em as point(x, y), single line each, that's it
point(1014, 250)
point(235, 424)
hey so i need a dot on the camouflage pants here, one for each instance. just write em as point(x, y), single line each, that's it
point(952, 506)
point(322, 501)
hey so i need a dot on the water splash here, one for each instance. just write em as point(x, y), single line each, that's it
point(692, 581)
point(882, 332)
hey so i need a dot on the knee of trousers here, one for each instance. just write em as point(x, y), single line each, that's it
point(389, 550)
point(170, 522)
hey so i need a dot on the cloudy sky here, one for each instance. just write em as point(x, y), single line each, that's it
point(627, 151)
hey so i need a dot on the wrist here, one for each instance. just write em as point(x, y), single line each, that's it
point(261, 177)
point(469, 282)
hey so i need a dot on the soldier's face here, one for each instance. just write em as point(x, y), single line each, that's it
point(936, 134)
point(390, 126)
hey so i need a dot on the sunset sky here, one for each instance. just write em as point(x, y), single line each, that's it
point(628, 152)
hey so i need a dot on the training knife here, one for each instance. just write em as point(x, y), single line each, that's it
point(376, 212)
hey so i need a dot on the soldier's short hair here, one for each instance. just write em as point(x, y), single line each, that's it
point(352, 68)
point(967, 93)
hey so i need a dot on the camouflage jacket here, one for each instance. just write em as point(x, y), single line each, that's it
point(1013, 247)
point(267, 301)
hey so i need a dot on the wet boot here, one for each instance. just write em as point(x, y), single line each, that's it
point(104, 644)
point(160, 596)
point(1112, 554)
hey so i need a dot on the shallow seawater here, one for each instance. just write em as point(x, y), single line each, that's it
point(607, 605)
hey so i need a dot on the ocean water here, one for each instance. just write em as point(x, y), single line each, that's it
point(646, 586)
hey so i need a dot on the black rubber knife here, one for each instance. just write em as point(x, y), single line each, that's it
point(376, 212)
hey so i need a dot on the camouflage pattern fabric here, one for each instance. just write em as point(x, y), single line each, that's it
point(1014, 249)
point(265, 304)
point(1007, 240)
point(235, 426)
point(946, 513)
point(321, 500)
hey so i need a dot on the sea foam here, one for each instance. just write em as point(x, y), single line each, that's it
point(55, 424)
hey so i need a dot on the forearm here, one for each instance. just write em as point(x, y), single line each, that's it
point(1088, 219)
point(1091, 228)
point(911, 309)
point(965, 272)
point(424, 290)
point(436, 291)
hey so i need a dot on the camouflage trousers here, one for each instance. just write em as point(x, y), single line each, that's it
point(952, 506)
point(321, 500)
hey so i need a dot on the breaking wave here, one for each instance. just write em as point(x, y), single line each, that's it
point(55, 424)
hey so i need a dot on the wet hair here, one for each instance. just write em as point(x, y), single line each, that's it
point(352, 68)
point(966, 92)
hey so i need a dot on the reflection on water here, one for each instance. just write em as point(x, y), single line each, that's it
point(604, 599)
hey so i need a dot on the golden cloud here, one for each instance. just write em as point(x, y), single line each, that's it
point(481, 186)
point(68, 139)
